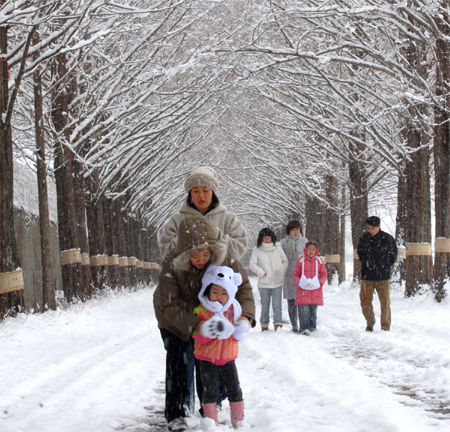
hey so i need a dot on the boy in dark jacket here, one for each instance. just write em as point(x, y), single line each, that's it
point(377, 252)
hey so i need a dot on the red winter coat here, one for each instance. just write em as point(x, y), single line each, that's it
point(313, 297)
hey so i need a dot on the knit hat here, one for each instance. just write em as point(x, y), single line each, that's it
point(194, 232)
point(226, 278)
point(373, 220)
point(201, 176)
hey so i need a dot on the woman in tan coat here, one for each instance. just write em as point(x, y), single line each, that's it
point(201, 186)
point(176, 297)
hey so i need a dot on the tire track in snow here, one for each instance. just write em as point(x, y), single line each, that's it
point(397, 359)
point(379, 365)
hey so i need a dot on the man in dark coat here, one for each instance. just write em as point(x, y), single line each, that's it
point(377, 252)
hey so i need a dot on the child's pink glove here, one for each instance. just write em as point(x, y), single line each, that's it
point(241, 329)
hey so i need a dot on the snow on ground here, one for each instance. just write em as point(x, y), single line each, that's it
point(99, 367)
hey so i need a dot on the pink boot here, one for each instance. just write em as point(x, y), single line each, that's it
point(210, 411)
point(237, 413)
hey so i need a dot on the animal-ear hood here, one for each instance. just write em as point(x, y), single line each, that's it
point(226, 278)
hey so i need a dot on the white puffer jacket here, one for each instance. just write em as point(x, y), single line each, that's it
point(264, 260)
point(229, 230)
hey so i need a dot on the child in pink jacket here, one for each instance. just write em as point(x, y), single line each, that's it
point(216, 346)
point(309, 275)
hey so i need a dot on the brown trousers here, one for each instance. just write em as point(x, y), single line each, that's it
point(366, 297)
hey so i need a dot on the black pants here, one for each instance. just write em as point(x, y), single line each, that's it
point(213, 375)
point(177, 359)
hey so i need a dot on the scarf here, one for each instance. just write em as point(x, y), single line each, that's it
point(219, 310)
point(292, 243)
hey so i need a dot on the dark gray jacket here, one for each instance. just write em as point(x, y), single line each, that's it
point(377, 255)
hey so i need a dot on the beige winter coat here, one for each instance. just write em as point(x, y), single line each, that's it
point(230, 230)
point(176, 295)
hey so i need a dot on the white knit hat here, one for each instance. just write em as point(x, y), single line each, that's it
point(201, 176)
point(226, 278)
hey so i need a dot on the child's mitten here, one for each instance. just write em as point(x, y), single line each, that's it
point(241, 329)
point(227, 329)
point(212, 327)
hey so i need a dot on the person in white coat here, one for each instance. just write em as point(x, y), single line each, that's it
point(201, 185)
point(270, 263)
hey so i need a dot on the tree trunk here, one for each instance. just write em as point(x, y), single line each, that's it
point(120, 233)
point(331, 237)
point(96, 230)
point(67, 226)
point(80, 215)
point(147, 255)
point(342, 269)
point(441, 270)
point(418, 268)
point(315, 212)
point(79, 194)
point(131, 247)
point(113, 277)
point(48, 292)
point(359, 199)
point(139, 250)
point(10, 303)
point(401, 225)
point(417, 173)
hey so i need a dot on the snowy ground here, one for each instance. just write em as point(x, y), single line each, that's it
point(97, 366)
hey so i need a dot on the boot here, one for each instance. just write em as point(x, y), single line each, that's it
point(237, 413)
point(210, 411)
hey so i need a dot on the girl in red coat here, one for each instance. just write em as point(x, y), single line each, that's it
point(309, 275)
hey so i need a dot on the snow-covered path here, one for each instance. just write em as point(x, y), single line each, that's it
point(96, 366)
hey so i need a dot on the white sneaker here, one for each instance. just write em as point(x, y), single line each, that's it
point(178, 424)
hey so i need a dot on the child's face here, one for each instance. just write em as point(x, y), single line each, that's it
point(311, 251)
point(219, 294)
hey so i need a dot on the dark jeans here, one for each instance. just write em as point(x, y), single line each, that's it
point(294, 314)
point(308, 317)
point(213, 375)
point(178, 356)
